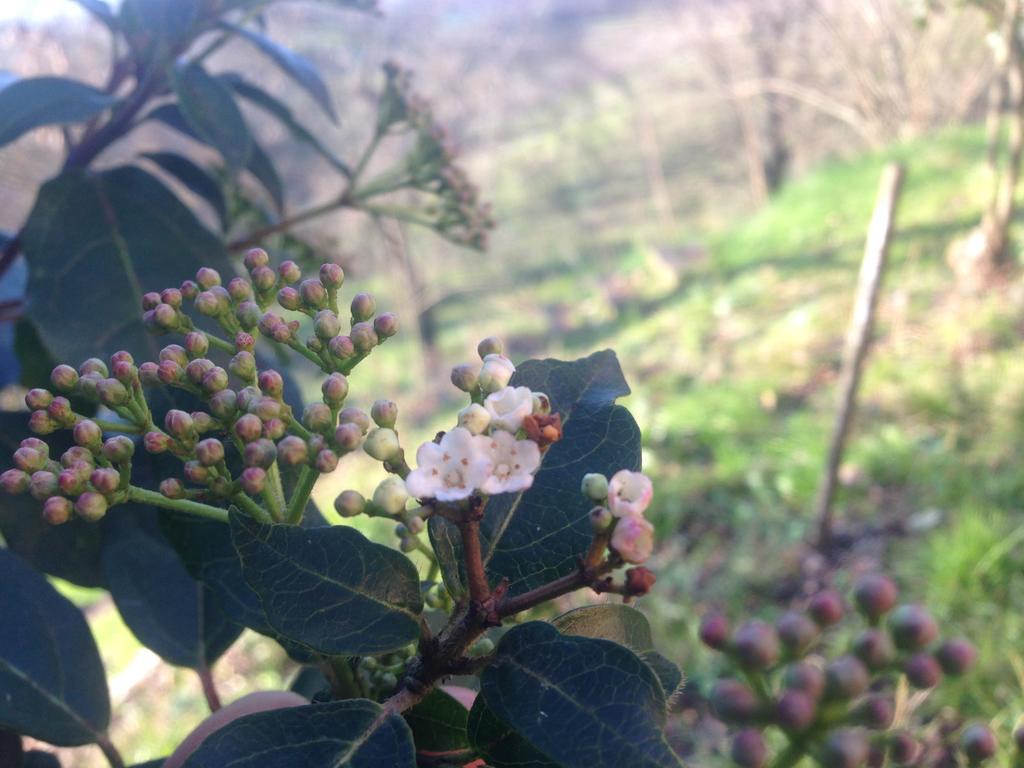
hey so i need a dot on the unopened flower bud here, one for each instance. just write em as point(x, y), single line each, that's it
point(492, 345)
point(714, 631)
point(151, 300)
point(363, 307)
point(903, 748)
point(292, 451)
point(875, 595)
point(125, 372)
point(496, 373)
point(263, 279)
point(105, 480)
point(41, 423)
point(874, 712)
point(846, 678)
point(38, 399)
point(275, 428)
point(335, 390)
point(595, 486)
point(352, 415)
point(172, 488)
point(112, 393)
point(156, 442)
point(385, 325)
point(639, 581)
point(57, 510)
point(348, 436)
point(805, 677)
point(748, 749)
point(912, 627)
point(845, 748)
point(248, 428)
point(253, 480)
point(391, 496)
point(601, 519)
point(415, 524)
point(239, 289)
point(923, 671)
point(342, 347)
point(332, 275)
point(91, 506)
point(260, 453)
point(364, 338)
point(796, 632)
point(318, 417)
point(88, 434)
point(734, 702)
point(118, 449)
point(179, 424)
point(326, 461)
point(271, 383)
point(755, 645)
point(61, 412)
point(874, 648)
point(197, 369)
point(795, 711)
point(541, 404)
point(289, 298)
point(29, 459)
point(206, 278)
point(215, 380)
point(978, 743)
point(169, 372)
point(222, 404)
point(465, 377)
point(349, 504)
point(956, 656)
point(64, 378)
point(42, 485)
point(87, 385)
point(189, 290)
point(255, 257)
point(384, 413)
point(210, 451)
point(826, 608)
point(289, 271)
point(475, 418)
point(382, 444)
point(94, 365)
point(313, 294)
point(248, 314)
point(326, 324)
point(207, 303)
point(14, 481)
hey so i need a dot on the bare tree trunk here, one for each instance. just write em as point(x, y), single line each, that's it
point(858, 341)
point(1000, 217)
point(994, 118)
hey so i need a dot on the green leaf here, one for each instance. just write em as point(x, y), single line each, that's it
point(438, 724)
point(194, 178)
point(210, 109)
point(330, 589)
point(580, 701)
point(539, 535)
point(168, 23)
point(499, 745)
point(164, 607)
point(626, 626)
point(341, 734)
point(53, 683)
point(296, 66)
point(283, 114)
point(95, 243)
point(29, 104)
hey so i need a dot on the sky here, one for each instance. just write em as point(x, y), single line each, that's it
point(37, 10)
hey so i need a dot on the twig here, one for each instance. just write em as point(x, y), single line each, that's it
point(209, 688)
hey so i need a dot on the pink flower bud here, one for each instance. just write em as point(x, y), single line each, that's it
point(332, 275)
point(91, 506)
point(755, 644)
point(156, 442)
point(189, 290)
point(57, 510)
point(196, 344)
point(633, 539)
point(348, 437)
point(88, 434)
point(206, 278)
point(912, 627)
point(42, 485)
point(118, 449)
point(289, 298)
point(714, 631)
point(256, 257)
point(151, 300)
point(826, 608)
point(334, 390)
point(172, 488)
point(384, 413)
point(175, 353)
point(923, 671)
point(350, 504)
point(172, 297)
point(386, 325)
point(271, 383)
point(14, 481)
point(326, 324)
point(248, 428)
point(313, 294)
point(263, 279)
point(342, 347)
point(978, 743)
point(326, 461)
point(363, 307)
point(64, 378)
point(38, 399)
point(210, 452)
point(240, 289)
point(289, 272)
point(94, 365)
point(253, 480)
point(105, 480)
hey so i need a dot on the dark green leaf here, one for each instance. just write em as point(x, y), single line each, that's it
point(100, 10)
point(11, 752)
point(262, 167)
point(164, 607)
point(53, 683)
point(330, 589)
point(210, 109)
point(36, 758)
point(29, 104)
point(293, 64)
point(193, 177)
point(438, 723)
point(341, 734)
point(70, 551)
point(167, 23)
point(582, 702)
point(95, 243)
point(309, 682)
point(536, 536)
point(284, 115)
point(667, 672)
point(151, 763)
point(499, 745)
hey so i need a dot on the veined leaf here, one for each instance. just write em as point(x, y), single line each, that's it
point(210, 109)
point(193, 177)
point(39, 101)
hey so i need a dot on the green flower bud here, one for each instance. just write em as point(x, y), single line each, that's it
point(38, 399)
point(179, 424)
point(384, 413)
point(149, 374)
point(271, 383)
point(408, 544)
point(350, 504)
point(175, 353)
point(118, 449)
point(335, 390)
point(263, 279)
point(363, 307)
point(326, 461)
point(206, 278)
point(91, 506)
point(113, 393)
point(482, 647)
point(289, 298)
point(314, 344)
point(14, 481)
point(318, 417)
point(255, 257)
point(196, 473)
point(88, 434)
point(385, 325)
point(35, 444)
point(210, 452)
point(239, 289)
point(331, 275)
point(382, 444)
point(326, 324)
point(222, 404)
point(912, 627)
point(289, 272)
point(342, 347)
point(475, 418)
point(253, 480)
point(196, 344)
point(755, 645)
point(172, 488)
point(601, 519)
point(313, 294)
point(541, 404)
point(42, 485)
point(595, 486)
point(105, 480)
point(248, 428)
point(64, 378)
point(492, 345)
point(41, 423)
point(391, 496)
point(94, 365)
point(466, 377)
point(247, 396)
point(248, 314)
point(87, 385)
point(364, 338)
point(207, 304)
point(259, 453)
point(215, 380)
point(57, 510)
point(292, 451)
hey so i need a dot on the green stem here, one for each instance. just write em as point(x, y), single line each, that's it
point(309, 355)
point(274, 493)
point(399, 213)
point(187, 506)
point(219, 343)
point(117, 426)
point(300, 495)
point(343, 682)
point(255, 511)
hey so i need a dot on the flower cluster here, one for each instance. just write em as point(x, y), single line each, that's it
point(456, 211)
point(621, 503)
point(841, 710)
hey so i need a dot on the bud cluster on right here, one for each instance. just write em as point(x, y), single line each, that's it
point(842, 705)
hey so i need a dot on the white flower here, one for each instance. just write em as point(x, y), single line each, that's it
point(629, 493)
point(475, 418)
point(633, 539)
point(508, 407)
point(513, 463)
point(450, 470)
point(496, 372)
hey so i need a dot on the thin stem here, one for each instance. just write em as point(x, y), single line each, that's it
point(110, 751)
point(584, 577)
point(219, 343)
point(118, 426)
point(256, 237)
point(248, 504)
point(479, 589)
point(300, 495)
point(209, 688)
point(187, 506)
point(343, 682)
point(274, 493)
